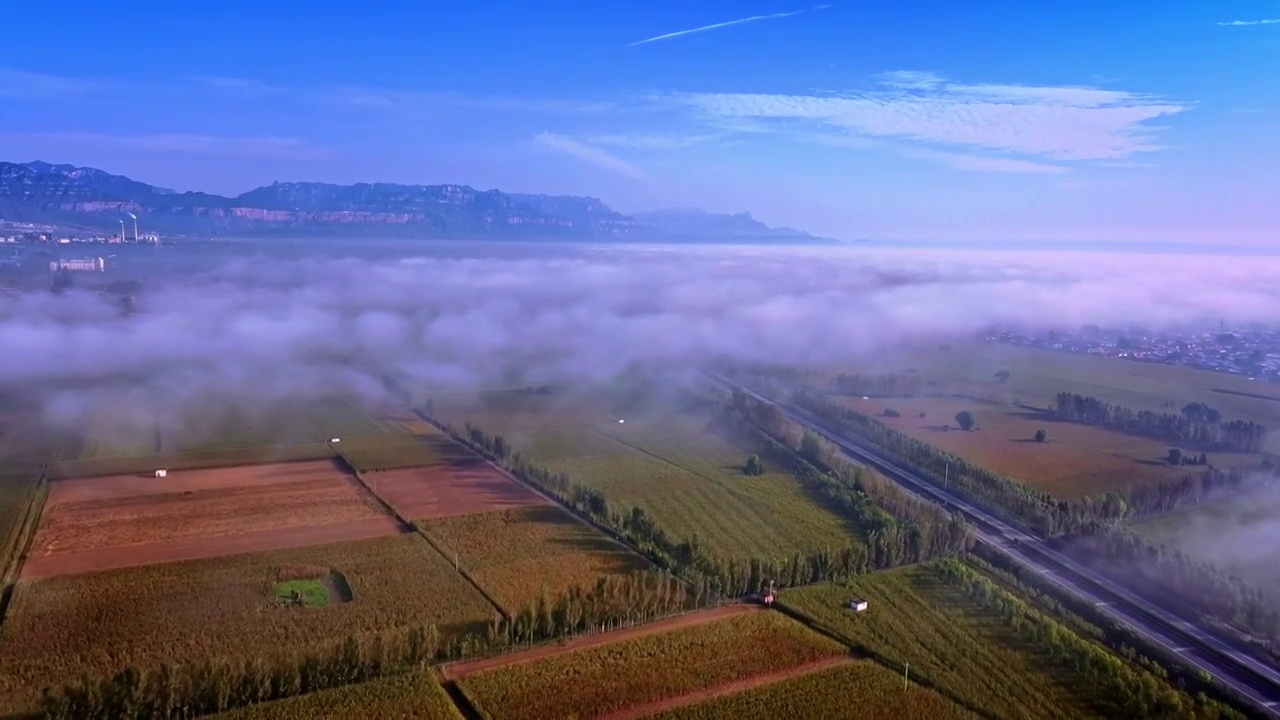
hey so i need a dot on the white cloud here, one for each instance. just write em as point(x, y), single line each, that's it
point(911, 79)
point(1243, 23)
point(1059, 123)
point(590, 154)
point(728, 23)
point(389, 99)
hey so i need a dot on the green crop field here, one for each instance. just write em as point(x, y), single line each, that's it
point(627, 674)
point(853, 691)
point(225, 456)
point(517, 555)
point(953, 646)
point(399, 697)
point(1236, 535)
point(685, 476)
point(60, 627)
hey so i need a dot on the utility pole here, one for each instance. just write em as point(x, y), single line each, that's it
point(946, 477)
point(905, 671)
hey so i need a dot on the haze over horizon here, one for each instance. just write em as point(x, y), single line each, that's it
point(1037, 125)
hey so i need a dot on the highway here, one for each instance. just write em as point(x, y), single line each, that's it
point(1230, 666)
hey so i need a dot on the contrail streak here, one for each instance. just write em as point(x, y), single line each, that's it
point(704, 28)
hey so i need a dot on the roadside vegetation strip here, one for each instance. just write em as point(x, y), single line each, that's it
point(988, 650)
point(857, 690)
point(411, 695)
point(611, 678)
point(224, 608)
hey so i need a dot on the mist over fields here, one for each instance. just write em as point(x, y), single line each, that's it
point(257, 329)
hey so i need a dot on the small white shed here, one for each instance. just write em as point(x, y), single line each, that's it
point(162, 473)
point(857, 605)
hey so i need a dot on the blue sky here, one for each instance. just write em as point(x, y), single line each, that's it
point(1003, 121)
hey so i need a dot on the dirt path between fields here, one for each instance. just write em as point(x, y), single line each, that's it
point(458, 670)
point(731, 688)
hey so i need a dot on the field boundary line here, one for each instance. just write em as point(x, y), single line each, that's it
point(733, 687)
point(413, 528)
point(21, 543)
point(457, 566)
point(462, 669)
point(651, 454)
point(573, 512)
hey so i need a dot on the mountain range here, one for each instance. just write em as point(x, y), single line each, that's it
point(91, 198)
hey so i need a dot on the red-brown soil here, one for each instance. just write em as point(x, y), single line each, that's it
point(730, 688)
point(458, 670)
point(124, 521)
point(462, 485)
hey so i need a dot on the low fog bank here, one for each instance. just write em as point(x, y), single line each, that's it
point(257, 330)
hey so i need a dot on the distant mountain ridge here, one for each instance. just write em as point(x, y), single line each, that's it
point(88, 197)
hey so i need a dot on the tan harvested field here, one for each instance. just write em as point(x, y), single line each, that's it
point(1037, 375)
point(613, 678)
point(517, 555)
point(122, 521)
point(1077, 460)
point(415, 696)
point(466, 484)
point(97, 623)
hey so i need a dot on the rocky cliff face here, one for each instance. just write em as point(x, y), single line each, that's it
point(89, 197)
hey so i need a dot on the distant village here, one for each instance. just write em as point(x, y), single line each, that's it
point(1254, 353)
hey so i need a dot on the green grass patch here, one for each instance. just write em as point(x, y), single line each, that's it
point(312, 592)
point(681, 473)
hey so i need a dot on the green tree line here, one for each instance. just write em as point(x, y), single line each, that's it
point(1197, 424)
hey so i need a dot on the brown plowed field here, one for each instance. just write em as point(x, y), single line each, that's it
point(731, 688)
point(462, 486)
point(457, 670)
point(125, 521)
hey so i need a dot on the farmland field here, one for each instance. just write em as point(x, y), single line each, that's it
point(416, 695)
point(516, 555)
point(1237, 535)
point(954, 647)
point(1077, 459)
point(685, 476)
point(111, 522)
point(1037, 375)
point(61, 627)
point(465, 484)
point(630, 674)
point(859, 690)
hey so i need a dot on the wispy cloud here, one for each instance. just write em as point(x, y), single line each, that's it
point(728, 23)
point(980, 163)
point(238, 86)
point(646, 141)
point(261, 147)
point(590, 154)
point(1055, 123)
point(386, 99)
point(1245, 23)
point(22, 84)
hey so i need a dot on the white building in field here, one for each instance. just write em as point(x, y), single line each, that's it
point(78, 265)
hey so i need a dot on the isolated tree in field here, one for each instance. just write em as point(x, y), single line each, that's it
point(1174, 457)
point(810, 448)
point(1041, 435)
point(754, 466)
point(965, 420)
point(890, 412)
point(1002, 376)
